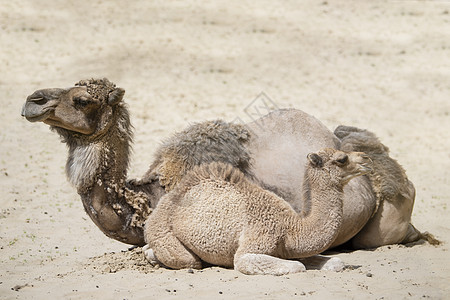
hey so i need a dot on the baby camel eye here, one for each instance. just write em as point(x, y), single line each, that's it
point(342, 160)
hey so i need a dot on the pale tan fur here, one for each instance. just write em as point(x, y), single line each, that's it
point(219, 216)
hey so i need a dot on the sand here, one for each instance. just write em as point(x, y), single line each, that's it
point(380, 65)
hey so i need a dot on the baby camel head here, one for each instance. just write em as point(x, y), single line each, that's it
point(83, 109)
point(338, 167)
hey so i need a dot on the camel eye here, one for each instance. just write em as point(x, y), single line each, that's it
point(342, 160)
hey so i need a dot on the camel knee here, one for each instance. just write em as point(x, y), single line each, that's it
point(171, 253)
point(165, 248)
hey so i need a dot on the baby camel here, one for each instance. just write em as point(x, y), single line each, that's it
point(217, 215)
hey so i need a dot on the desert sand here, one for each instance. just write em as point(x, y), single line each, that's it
point(380, 65)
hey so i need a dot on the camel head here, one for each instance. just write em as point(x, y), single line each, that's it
point(335, 165)
point(85, 108)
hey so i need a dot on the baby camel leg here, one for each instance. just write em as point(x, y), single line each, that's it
point(164, 247)
point(262, 264)
point(251, 260)
point(172, 253)
point(150, 255)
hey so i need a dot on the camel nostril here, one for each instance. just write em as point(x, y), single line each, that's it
point(38, 100)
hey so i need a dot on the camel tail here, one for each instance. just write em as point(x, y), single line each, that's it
point(430, 238)
point(414, 235)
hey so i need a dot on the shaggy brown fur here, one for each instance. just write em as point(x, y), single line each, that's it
point(198, 144)
point(390, 184)
point(388, 177)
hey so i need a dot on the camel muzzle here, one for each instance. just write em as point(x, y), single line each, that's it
point(41, 104)
point(35, 112)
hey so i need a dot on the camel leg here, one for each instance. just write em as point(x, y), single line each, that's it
point(164, 243)
point(150, 255)
point(319, 262)
point(263, 264)
point(170, 252)
point(251, 260)
point(164, 247)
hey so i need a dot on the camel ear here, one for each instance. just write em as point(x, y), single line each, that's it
point(315, 160)
point(116, 96)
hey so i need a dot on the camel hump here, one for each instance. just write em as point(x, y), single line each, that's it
point(356, 139)
point(202, 143)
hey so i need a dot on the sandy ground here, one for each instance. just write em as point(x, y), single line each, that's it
point(381, 65)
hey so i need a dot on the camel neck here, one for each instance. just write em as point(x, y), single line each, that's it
point(101, 158)
point(314, 232)
point(103, 162)
point(98, 169)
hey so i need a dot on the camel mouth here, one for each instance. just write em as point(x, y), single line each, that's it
point(34, 113)
point(56, 123)
point(38, 107)
point(41, 104)
point(365, 168)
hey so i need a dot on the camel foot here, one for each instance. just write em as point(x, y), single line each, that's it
point(334, 264)
point(319, 262)
point(150, 255)
point(261, 264)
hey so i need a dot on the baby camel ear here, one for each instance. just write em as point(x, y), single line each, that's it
point(315, 160)
point(116, 96)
